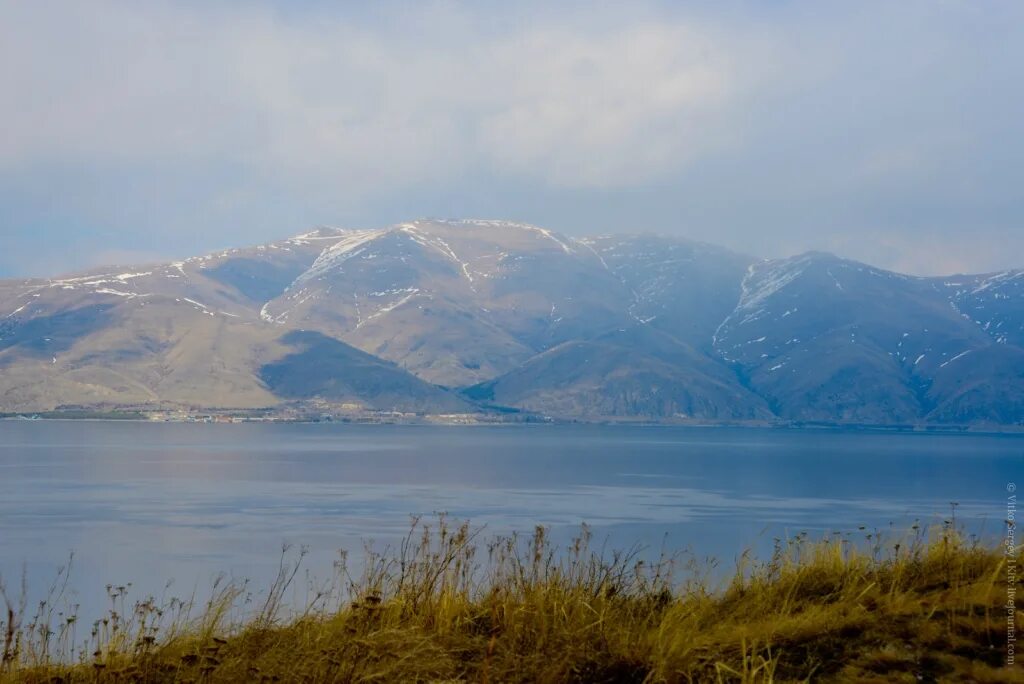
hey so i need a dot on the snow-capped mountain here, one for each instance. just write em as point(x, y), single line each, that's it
point(825, 338)
point(455, 302)
point(469, 315)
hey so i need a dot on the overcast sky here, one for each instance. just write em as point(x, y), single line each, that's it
point(890, 132)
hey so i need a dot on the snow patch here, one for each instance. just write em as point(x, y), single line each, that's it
point(389, 308)
point(440, 245)
point(343, 249)
point(119, 293)
point(958, 356)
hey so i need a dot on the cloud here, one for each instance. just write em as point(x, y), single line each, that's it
point(608, 110)
point(166, 127)
point(374, 106)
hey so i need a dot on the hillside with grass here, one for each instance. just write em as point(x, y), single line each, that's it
point(447, 605)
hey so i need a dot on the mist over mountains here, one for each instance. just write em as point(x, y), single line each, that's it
point(440, 316)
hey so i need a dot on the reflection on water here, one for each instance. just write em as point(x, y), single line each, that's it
point(150, 502)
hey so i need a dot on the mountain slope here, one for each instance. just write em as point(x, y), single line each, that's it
point(621, 327)
point(454, 302)
point(181, 335)
point(992, 301)
point(682, 287)
point(319, 367)
point(823, 338)
point(125, 354)
point(636, 371)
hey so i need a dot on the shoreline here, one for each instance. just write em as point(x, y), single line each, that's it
point(488, 420)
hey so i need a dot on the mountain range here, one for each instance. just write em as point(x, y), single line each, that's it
point(474, 316)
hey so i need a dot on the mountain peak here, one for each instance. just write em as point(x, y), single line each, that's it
point(495, 229)
point(318, 233)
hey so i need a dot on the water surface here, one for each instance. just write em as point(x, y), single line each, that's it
point(147, 503)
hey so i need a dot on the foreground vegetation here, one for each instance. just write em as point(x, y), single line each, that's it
point(446, 605)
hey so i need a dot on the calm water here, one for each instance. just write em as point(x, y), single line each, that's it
point(148, 503)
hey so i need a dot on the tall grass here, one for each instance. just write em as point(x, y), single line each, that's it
point(447, 605)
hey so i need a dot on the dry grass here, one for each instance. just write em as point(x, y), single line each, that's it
point(447, 606)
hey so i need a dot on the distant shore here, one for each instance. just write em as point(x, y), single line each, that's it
point(476, 419)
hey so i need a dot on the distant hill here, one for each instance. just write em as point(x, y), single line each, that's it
point(635, 371)
point(439, 316)
point(320, 367)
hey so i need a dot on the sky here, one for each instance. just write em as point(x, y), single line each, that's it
point(889, 132)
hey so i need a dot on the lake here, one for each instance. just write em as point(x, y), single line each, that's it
point(148, 503)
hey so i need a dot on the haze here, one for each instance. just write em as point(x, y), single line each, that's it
point(886, 132)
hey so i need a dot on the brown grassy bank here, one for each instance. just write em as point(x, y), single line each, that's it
point(447, 606)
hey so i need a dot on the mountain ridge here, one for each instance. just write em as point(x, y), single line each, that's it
point(608, 327)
